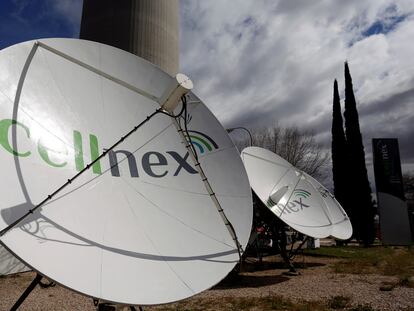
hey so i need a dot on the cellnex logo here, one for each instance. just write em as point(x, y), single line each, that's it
point(202, 141)
point(300, 193)
point(292, 206)
point(154, 163)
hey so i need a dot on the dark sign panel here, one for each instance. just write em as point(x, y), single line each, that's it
point(393, 211)
point(387, 166)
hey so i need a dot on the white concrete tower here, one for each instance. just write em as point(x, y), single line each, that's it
point(147, 28)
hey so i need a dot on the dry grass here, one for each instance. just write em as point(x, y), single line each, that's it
point(396, 262)
point(331, 278)
point(247, 303)
point(267, 303)
point(390, 261)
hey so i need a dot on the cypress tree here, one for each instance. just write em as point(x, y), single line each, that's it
point(339, 154)
point(358, 188)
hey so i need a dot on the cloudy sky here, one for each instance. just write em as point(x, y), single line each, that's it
point(262, 62)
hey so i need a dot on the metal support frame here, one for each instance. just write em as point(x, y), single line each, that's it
point(27, 292)
point(277, 229)
point(213, 196)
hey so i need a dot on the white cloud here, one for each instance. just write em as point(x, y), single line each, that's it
point(69, 10)
point(261, 62)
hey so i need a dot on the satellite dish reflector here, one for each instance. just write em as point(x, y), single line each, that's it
point(294, 196)
point(139, 226)
point(342, 228)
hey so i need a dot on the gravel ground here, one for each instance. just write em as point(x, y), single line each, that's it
point(316, 283)
point(320, 284)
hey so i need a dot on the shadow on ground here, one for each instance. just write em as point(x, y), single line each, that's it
point(239, 281)
point(263, 266)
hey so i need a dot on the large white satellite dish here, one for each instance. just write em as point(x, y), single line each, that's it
point(294, 196)
point(139, 226)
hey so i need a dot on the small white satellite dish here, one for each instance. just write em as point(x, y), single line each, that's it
point(294, 196)
point(140, 226)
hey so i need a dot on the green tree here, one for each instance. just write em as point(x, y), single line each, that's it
point(339, 154)
point(362, 216)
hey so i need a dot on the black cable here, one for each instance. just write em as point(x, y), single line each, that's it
point(184, 104)
point(229, 224)
point(184, 101)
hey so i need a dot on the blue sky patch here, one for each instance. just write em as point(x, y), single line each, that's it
point(27, 20)
point(383, 26)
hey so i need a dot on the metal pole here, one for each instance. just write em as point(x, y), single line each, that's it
point(26, 293)
point(242, 128)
